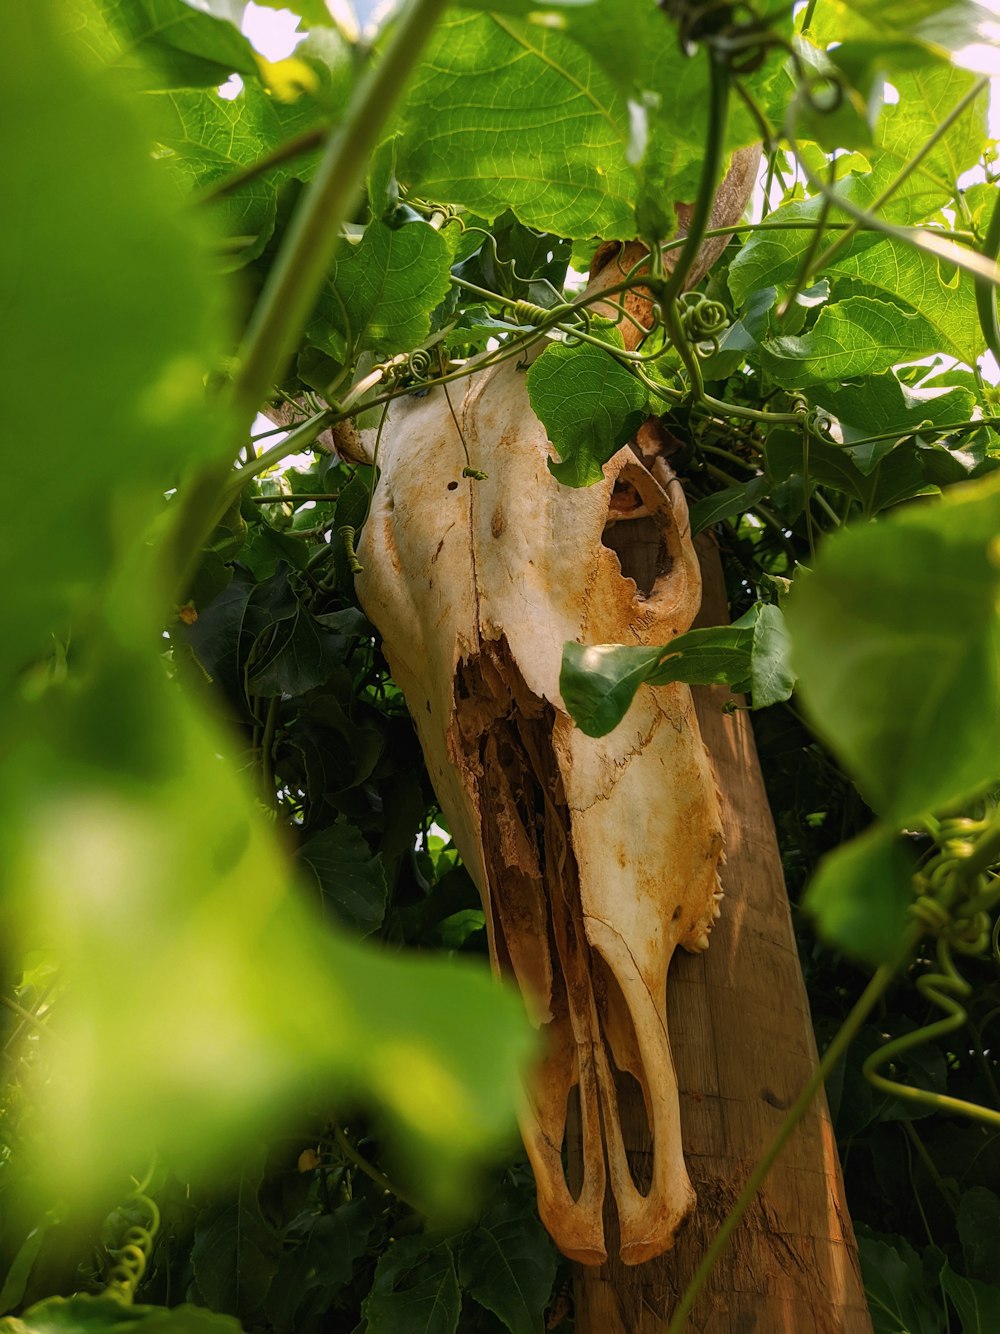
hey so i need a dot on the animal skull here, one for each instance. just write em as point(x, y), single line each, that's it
point(595, 858)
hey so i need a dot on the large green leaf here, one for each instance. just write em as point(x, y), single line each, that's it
point(854, 337)
point(236, 1251)
point(589, 405)
point(128, 813)
point(598, 682)
point(979, 1232)
point(896, 638)
point(861, 894)
point(881, 405)
point(894, 1286)
point(384, 289)
point(415, 1290)
point(505, 114)
point(199, 996)
point(209, 138)
point(351, 880)
point(324, 1249)
point(977, 1303)
point(83, 1314)
point(508, 1263)
point(84, 299)
point(161, 43)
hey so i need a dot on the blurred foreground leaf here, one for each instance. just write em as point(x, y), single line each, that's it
point(896, 638)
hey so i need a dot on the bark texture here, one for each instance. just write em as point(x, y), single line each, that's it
point(743, 1045)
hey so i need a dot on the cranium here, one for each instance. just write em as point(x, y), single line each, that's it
point(595, 858)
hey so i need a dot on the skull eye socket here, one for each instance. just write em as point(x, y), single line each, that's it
point(638, 529)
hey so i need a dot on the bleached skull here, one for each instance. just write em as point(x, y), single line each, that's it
point(595, 858)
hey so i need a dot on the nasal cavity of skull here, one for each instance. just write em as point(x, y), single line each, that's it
point(636, 531)
point(573, 1143)
point(622, 1045)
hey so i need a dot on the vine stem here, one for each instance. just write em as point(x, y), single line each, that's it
point(305, 254)
point(294, 280)
point(369, 1169)
point(930, 143)
point(845, 1035)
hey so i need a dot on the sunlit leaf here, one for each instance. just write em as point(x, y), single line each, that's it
point(589, 405)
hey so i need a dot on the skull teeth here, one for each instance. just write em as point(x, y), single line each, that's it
point(716, 911)
point(700, 941)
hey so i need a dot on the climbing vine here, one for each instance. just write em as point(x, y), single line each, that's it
point(255, 1073)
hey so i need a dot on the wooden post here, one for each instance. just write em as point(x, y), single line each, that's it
point(743, 1044)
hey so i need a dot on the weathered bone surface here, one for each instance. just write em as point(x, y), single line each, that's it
point(595, 858)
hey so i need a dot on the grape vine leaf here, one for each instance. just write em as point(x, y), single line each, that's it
point(236, 1252)
point(894, 1285)
point(979, 1232)
point(415, 1290)
point(589, 405)
point(351, 880)
point(321, 1255)
point(896, 638)
point(78, 297)
point(503, 114)
point(508, 1263)
point(384, 289)
point(977, 1303)
point(160, 43)
point(856, 337)
point(881, 405)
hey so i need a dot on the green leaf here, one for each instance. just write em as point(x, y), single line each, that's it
point(210, 139)
point(324, 1251)
point(979, 1232)
point(508, 1263)
point(896, 638)
point(857, 336)
point(235, 1253)
point(271, 1003)
point(977, 1303)
point(83, 1314)
point(726, 504)
point(77, 296)
point(351, 880)
point(880, 405)
point(415, 1290)
point(771, 676)
point(384, 290)
point(19, 1271)
point(506, 114)
point(161, 43)
point(291, 652)
point(894, 1286)
point(916, 282)
point(598, 683)
point(589, 405)
point(861, 895)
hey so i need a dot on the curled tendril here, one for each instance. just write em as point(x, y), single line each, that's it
point(131, 1256)
point(821, 91)
point(704, 322)
point(819, 425)
point(737, 35)
point(528, 312)
point(349, 535)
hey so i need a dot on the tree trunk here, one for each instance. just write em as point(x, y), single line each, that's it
point(743, 1045)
